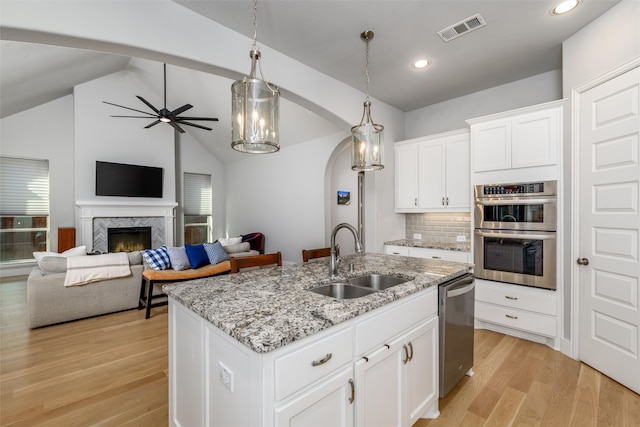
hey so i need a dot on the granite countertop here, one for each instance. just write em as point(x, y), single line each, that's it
point(460, 247)
point(268, 308)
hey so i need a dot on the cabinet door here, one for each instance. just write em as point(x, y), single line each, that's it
point(431, 175)
point(444, 255)
point(422, 371)
point(407, 177)
point(491, 145)
point(457, 173)
point(379, 387)
point(327, 404)
point(535, 139)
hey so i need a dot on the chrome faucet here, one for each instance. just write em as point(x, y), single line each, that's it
point(335, 256)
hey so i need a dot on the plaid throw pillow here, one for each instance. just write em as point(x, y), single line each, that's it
point(157, 259)
point(215, 252)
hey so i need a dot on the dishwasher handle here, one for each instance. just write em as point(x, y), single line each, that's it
point(461, 287)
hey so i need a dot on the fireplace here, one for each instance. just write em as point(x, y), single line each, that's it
point(128, 239)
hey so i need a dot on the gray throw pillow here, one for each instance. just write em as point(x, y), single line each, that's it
point(240, 247)
point(135, 258)
point(53, 264)
point(179, 258)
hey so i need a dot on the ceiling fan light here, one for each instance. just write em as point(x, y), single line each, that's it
point(165, 119)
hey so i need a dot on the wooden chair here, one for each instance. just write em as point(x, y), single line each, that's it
point(255, 261)
point(308, 254)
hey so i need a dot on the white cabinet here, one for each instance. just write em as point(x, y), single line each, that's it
point(328, 404)
point(439, 254)
point(523, 308)
point(214, 380)
point(517, 139)
point(395, 383)
point(432, 173)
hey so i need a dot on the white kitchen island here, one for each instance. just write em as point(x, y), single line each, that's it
point(258, 348)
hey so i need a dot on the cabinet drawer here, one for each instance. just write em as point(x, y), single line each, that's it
point(517, 319)
point(307, 364)
point(514, 296)
point(389, 323)
point(396, 250)
point(443, 255)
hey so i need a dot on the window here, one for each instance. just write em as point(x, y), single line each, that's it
point(24, 208)
point(197, 208)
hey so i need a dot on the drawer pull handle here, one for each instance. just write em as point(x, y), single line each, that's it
point(410, 348)
point(406, 353)
point(396, 253)
point(388, 346)
point(436, 257)
point(511, 317)
point(511, 298)
point(323, 360)
point(353, 391)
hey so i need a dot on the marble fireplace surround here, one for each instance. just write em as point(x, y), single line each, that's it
point(95, 217)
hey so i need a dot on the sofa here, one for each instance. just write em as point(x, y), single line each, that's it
point(50, 302)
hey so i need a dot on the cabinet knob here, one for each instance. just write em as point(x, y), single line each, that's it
point(583, 261)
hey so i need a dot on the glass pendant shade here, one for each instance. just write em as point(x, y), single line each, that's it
point(255, 116)
point(367, 143)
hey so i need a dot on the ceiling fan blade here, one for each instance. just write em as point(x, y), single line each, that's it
point(152, 124)
point(182, 109)
point(176, 127)
point(194, 125)
point(128, 108)
point(148, 104)
point(211, 119)
point(134, 117)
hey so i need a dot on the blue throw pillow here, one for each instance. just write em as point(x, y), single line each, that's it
point(197, 255)
point(179, 259)
point(157, 259)
point(215, 252)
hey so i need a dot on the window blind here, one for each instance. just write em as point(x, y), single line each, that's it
point(197, 194)
point(24, 186)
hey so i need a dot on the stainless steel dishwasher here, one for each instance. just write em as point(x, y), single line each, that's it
point(456, 311)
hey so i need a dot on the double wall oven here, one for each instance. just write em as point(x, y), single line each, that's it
point(515, 233)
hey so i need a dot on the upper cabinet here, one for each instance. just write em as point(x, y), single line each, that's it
point(432, 173)
point(517, 139)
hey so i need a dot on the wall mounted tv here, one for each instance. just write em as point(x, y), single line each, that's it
point(118, 179)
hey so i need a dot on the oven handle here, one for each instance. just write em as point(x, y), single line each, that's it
point(513, 201)
point(519, 234)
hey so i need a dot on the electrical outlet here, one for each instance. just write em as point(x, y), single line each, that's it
point(417, 236)
point(461, 238)
point(226, 377)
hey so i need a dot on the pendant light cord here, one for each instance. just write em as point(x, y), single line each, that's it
point(255, 25)
point(366, 69)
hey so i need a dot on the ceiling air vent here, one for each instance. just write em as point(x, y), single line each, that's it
point(463, 27)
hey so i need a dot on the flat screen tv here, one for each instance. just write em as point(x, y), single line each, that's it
point(118, 179)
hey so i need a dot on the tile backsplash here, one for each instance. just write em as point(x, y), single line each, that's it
point(439, 226)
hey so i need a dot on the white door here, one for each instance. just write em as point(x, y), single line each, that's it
point(608, 226)
point(407, 176)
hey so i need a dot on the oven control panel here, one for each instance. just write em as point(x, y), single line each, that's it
point(507, 189)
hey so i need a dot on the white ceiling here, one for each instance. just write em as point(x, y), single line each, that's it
point(521, 39)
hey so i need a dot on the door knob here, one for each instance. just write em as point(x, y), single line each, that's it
point(583, 261)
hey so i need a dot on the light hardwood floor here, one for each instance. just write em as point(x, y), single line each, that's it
point(112, 371)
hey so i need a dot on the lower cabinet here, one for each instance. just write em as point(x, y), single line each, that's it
point(395, 384)
point(329, 403)
point(367, 371)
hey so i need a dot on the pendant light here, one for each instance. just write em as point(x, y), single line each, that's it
point(255, 107)
point(367, 139)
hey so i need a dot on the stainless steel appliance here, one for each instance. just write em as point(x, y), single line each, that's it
point(515, 233)
point(456, 318)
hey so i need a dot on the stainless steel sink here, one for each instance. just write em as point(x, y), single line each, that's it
point(342, 291)
point(378, 282)
point(358, 286)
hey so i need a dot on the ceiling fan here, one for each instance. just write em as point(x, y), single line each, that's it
point(163, 115)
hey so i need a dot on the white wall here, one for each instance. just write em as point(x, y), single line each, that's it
point(281, 195)
point(451, 114)
point(122, 140)
point(343, 179)
point(194, 158)
point(46, 132)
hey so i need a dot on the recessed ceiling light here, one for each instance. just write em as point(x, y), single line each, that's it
point(565, 7)
point(421, 63)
